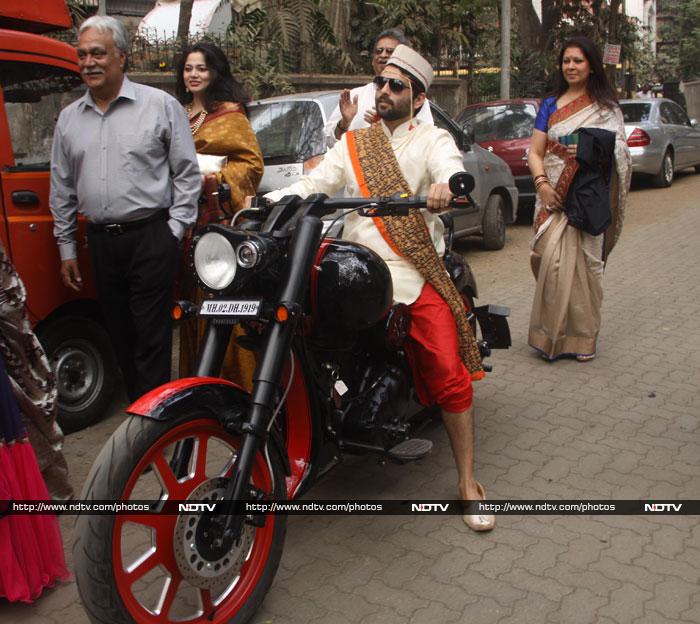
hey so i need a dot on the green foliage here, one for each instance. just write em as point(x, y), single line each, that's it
point(689, 52)
point(445, 32)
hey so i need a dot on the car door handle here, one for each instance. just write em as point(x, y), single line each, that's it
point(25, 198)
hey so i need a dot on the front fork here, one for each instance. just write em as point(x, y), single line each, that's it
point(268, 373)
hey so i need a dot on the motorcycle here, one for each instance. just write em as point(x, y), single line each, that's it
point(331, 379)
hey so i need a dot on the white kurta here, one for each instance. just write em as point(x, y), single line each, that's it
point(426, 155)
point(365, 101)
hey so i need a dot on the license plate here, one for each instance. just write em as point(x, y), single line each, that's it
point(247, 309)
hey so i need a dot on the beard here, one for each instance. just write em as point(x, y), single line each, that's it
point(394, 111)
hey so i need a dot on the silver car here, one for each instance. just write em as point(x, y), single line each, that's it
point(290, 130)
point(661, 138)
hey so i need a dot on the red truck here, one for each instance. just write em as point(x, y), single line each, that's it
point(38, 77)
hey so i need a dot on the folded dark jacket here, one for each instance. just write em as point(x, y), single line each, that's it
point(587, 203)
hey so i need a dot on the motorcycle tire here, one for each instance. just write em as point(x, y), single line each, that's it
point(111, 589)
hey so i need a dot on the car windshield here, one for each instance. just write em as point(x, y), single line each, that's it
point(499, 123)
point(636, 112)
point(288, 131)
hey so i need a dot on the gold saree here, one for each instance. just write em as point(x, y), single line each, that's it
point(568, 263)
point(225, 132)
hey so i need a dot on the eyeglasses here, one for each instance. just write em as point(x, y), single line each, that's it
point(396, 85)
point(379, 51)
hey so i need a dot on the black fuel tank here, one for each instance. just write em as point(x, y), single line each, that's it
point(351, 287)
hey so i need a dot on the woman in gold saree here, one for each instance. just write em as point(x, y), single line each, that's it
point(215, 105)
point(568, 263)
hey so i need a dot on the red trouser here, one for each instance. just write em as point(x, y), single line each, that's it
point(432, 347)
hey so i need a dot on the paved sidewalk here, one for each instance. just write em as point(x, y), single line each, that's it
point(622, 426)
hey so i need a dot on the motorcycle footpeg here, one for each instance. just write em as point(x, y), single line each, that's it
point(410, 450)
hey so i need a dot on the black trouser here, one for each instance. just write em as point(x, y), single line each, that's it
point(134, 275)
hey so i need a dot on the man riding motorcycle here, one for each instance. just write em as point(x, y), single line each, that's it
point(401, 155)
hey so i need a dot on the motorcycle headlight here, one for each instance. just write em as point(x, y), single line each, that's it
point(215, 261)
point(248, 254)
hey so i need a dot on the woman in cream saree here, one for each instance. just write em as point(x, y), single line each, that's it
point(568, 263)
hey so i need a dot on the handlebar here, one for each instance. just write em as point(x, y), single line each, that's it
point(461, 184)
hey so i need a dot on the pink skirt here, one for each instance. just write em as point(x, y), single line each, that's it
point(31, 549)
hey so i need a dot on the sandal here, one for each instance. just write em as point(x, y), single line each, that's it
point(480, 522)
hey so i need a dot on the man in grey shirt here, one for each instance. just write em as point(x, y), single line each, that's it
point(123, 157)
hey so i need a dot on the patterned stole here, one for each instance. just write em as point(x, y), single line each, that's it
point(378, 175)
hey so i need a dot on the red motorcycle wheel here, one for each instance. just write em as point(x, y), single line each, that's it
point(172, 574)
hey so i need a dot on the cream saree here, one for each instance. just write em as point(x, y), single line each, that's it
point(568, 263)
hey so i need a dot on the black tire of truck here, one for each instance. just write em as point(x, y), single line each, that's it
point(82, 358)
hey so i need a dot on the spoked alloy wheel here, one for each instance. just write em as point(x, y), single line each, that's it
point(159, 568)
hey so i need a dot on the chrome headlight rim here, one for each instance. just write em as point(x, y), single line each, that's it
point(214, 261)
point(251, 247)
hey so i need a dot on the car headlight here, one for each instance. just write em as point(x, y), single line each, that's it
point(215, 261)
point(248, 254)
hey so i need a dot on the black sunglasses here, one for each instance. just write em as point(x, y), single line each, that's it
point(382, 50)
point(396, 85)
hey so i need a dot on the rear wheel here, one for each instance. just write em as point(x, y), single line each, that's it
point(665, 176)
point(162, 568)
point(494, 223)
point(83, 361)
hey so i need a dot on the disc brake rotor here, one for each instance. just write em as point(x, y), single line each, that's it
point(214, 574)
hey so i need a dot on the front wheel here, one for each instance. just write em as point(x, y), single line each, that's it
point(161, 568)
point(494, 223)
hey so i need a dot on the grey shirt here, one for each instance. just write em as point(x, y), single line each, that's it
point(123, 164)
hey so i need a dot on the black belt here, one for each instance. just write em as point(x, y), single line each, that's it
point(127, 226)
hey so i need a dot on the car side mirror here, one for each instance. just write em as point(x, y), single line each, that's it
point(466, 138)
point(693, 123)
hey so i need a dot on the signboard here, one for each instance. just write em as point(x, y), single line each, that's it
point(611, 54)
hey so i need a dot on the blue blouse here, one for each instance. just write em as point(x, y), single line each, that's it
point(548, 106)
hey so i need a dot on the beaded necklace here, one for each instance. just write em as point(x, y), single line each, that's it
point(198, 121)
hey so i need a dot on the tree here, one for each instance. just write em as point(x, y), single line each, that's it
point(183, 22)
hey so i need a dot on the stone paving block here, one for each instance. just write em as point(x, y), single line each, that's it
point(438, 590)
point(627, 603)
point(280, 606)
point(530, 610)
point(692, 614)
point(381, 616)
point(499, 561)
point(435, 612)
point(594, 581)
point(579, 607)
point(503, 592)
point(306, 577)
point(486, 611)
point(609, 568)
point(378, 593)
point(672, 597)
point(353, 606)
point(530, 582)
point(583, 551)
point(668, 567)
point(540, 556)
